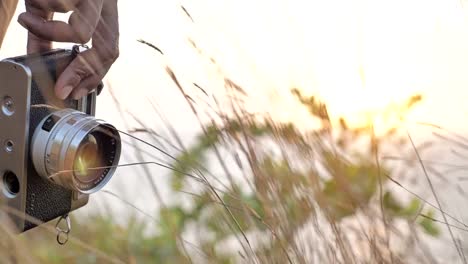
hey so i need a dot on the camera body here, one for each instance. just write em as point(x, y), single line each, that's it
point(28, 103)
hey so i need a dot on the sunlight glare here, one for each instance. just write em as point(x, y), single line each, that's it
point(359, 56)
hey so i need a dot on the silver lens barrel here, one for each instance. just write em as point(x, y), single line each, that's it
point(75, 150)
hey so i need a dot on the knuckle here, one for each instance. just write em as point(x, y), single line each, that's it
point(115, 54)
point(82, 68)
point(82, 36)
point(75, 80)
point(81, 33)
point(82, 39)
point(110, 53)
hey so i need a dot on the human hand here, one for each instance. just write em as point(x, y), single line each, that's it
point(90, 19)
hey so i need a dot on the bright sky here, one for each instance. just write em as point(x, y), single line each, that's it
point(357, 55)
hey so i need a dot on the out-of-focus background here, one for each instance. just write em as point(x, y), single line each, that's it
point(359, 57)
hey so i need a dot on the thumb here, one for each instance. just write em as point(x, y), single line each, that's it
point(82, 67)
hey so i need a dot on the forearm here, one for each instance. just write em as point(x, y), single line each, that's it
point(7, 10)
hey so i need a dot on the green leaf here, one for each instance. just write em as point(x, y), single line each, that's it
point(428, 225)
point(395, 208)
point(412, 209)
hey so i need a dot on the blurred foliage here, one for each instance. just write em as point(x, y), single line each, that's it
point(290, 180)
point(277, 202)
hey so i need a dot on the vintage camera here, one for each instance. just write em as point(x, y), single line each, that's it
point(54, 153)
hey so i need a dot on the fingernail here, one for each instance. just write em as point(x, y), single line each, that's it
point(64, 92)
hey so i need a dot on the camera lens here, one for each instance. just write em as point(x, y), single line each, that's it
point(75, 150)
point(94, 158)
point(88, 156)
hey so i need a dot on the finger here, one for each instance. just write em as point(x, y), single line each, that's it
point(85, 65)
point(35, 43)
point(88, 69)
point(46, 30)
point(106, 36)
point(84, 20)
point(87, 85)
point(62, 6)
point(79, 93)
point(106, 44)
point(79, 29)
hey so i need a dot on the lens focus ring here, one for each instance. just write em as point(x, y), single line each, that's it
point(61, 153)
